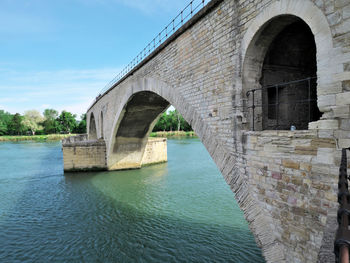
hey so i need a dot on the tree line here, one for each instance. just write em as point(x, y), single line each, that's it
point(172, 121)
point(32, 122)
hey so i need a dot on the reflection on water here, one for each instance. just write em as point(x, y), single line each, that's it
point(181, 211)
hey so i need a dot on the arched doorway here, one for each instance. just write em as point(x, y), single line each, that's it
point(280, 76)
point(289, 79)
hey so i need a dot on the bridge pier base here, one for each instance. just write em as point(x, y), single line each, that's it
point(81, 154)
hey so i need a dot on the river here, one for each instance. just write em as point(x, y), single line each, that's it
point(180, 211)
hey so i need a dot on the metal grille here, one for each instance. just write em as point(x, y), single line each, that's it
point(270, 102)
point(342, 239)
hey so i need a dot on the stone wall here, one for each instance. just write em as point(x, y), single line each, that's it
point(80, 154)
point(295, 175)
point(155, 151)
point(83, 155)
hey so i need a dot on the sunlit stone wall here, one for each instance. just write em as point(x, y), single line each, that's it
point(85, 155)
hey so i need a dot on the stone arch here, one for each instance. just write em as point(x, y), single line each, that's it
point(260, 222)
point(92, 128)
point(135, 123)
point(101, 126)
point(263, 30)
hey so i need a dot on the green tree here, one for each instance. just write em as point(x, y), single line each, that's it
point(161, 124)
point(3, 128)
point(16, 126)
point(172, 121)
point(81, 127)
point(50, 123)
point(5, 119)
point(32, 121)
point(50, 114)
point(67, 122)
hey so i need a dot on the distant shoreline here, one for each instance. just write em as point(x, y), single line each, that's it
point(50, 137)
point(57, 137)
point(173, 134)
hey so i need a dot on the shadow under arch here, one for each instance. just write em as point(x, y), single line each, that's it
point(135, 123)
point(92, 127)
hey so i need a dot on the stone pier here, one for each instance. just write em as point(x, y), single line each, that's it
point(81, 154)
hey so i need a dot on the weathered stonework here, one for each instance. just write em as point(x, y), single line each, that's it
point(80, 154)
point(155, 151)
point(285, 182)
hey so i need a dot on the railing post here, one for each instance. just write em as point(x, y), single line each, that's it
point(342, 240)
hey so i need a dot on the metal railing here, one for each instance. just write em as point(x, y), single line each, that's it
point(309, 100)
point(342, 239)
point(185, 15)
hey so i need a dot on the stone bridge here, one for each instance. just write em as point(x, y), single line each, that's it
point(284, 180)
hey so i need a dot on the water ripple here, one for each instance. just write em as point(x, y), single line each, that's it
point(181, 211)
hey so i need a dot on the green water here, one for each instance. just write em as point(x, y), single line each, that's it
point(180, 211)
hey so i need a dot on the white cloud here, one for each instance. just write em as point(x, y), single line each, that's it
point(72, 90)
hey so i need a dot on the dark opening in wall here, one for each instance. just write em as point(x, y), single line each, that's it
point(288, 79)
point(92, 128)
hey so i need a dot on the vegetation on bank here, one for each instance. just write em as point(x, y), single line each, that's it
point(54, 126)
point(50, 137)
point(173, 134)
point(35, 123)
point(172, 121)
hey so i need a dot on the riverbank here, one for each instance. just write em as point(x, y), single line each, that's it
point(57, 137)
point(173, 134)
point(50, 137)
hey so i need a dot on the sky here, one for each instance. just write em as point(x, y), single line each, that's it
point(60, 53)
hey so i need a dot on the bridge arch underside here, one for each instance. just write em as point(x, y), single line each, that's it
point(134, 125)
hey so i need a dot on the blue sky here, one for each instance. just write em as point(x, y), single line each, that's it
point(60, 53)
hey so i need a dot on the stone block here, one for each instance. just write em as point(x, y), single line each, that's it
point(306, 150)
point(305, 167)
point(326, 100)
point(323, 143)
point(341, 111)
point(290, 164)
point(324, 125)
point(344, 143)
point(343, 98)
